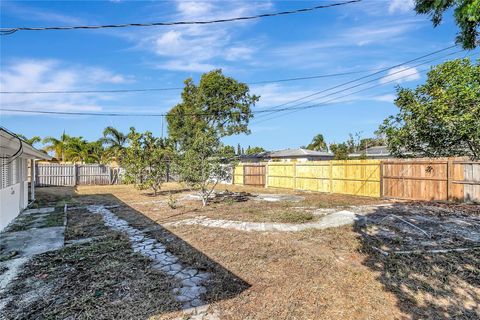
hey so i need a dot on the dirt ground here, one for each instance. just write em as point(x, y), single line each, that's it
point(313, 274)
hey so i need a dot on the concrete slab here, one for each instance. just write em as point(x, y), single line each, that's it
point(278, 197)
point(336, 219)
point(32, 241)
point(39, 210)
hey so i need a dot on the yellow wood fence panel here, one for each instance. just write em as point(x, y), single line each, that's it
point(238, 174)
point(355, 177)
point(281, 175)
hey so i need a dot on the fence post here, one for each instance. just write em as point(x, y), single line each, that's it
point(449, 178)
point(74, 174)
point(294, 176)
point(381, 179)
point(330, 175)
point(266, 175)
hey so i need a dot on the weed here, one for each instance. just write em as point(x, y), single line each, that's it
point(295, 217)
point(172, 202)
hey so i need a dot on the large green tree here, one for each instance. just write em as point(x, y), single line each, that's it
point(217, 107)
point(467, 16)
point(218, 104)
point(440, 117)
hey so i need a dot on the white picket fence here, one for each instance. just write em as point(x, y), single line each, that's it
point(53, 174)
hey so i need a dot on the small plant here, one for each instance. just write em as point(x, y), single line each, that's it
point(295, 217)
point(172, 202)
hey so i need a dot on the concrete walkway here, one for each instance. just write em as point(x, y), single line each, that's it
point(335, 219)
point(18, 247)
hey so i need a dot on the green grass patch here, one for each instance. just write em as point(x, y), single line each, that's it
point(295, 217)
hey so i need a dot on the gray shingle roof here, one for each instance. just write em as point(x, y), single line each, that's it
point(299, 152)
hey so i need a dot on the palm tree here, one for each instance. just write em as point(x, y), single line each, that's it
point(57, 146)
point(33, 140)
point(318, 143)
point(115, 141)
point(76, 149)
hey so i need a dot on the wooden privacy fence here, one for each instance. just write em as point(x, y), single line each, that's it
point(254, 175)
point(53, 174)
point(431, 179)
point(412, 179)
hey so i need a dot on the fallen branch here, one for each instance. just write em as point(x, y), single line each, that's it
point(411, 224)
point(436, 250)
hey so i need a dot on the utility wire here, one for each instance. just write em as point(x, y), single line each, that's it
point(364, 82)
point(331, 101)
point(9, 31)
point(181, 88)
point(270, 110)
point(364, 77)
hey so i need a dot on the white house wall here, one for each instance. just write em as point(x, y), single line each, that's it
point(14, 190)
point(9, 204)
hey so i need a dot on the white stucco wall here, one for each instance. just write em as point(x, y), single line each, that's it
point(24, 203)
point(9, 204)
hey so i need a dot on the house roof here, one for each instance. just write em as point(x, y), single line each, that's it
point(299, 153)
point(10, 144)
point(372, 151)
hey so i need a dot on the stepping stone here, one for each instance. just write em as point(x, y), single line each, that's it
point(183, 298)
point(196, 303)
point(191, 271)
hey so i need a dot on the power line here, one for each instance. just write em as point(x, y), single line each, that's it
point(9, 31)
point(364, 77)
point(181, 88)
point(331, 101)
point(364, 82)
point(270, 110)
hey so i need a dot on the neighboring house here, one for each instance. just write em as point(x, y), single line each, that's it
point(288, 155)
point(378, 152)
point(16, 157)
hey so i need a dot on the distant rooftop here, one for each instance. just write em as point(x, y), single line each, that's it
point(299, 152)
point(372, 151)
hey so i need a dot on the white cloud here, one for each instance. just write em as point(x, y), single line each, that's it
point(181, 65)
point(401, 74)
point(38, 14)
point(384, 98)
point(273, 94)
point(401, 6)
point(53, 75)
point(195, 47)
point(239, 53)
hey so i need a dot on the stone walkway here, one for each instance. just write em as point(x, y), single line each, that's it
point(190, 280)
point(336, 219)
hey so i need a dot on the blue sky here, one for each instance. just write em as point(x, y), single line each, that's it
point(359, 37)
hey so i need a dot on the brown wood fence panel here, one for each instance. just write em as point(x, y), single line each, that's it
point(254, 175)
point(415, 179)
point(431, 179)
point(471, 179)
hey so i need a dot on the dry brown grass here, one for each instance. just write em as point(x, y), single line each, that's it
point(315, 274)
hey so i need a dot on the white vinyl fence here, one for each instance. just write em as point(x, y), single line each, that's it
point(53, 174)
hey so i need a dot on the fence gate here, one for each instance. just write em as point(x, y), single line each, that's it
point(254, 175)
point(53, 174)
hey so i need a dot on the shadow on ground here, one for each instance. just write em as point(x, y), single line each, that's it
point(428, 285)
point(103, 278)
